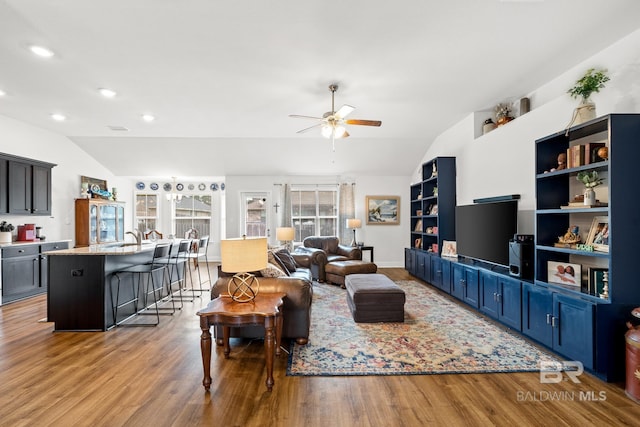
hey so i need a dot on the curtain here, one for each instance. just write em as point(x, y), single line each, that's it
point(346, 210)
point(286, 206)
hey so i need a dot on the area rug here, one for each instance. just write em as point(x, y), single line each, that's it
point(438, 336)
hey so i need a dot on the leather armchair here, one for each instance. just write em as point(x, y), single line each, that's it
point(326, 249)
point(296, 307)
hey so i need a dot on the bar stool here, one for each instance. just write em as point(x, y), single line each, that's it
point(202, 245)
point(176, 262)
point(138, 271)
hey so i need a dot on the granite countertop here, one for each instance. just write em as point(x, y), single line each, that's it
point(32, 242)
point(107, 249)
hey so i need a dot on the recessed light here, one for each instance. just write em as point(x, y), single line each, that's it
point(41, 51)
point(58, 117)
point(107, 93)
point(2, 93)
point(148, 117)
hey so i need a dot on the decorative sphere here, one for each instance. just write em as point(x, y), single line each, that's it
point(603, 152)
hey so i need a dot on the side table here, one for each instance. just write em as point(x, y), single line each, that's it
point(223, 311)
point(367, 248)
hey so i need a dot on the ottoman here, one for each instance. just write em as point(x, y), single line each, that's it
point(374, 298)
point(337, 270)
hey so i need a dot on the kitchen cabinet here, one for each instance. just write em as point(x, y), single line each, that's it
point(24, 269)
point(25, 186)
point(99, 221)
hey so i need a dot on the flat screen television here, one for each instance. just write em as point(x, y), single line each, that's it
point(483, 230)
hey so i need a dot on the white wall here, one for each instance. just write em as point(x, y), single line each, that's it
point(24, 140)
point(502, 161)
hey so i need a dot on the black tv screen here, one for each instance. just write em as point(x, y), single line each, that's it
point(483, 230)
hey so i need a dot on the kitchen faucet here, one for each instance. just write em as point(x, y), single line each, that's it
point(137, 234)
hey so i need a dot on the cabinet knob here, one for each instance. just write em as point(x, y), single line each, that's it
point(548, 319)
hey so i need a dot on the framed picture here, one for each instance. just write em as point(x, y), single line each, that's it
point(599, 234)
point(596, 280)
point(449, 248)
point(383, 210)
point(564, 273)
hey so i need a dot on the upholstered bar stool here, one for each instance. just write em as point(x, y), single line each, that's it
point(196, 256)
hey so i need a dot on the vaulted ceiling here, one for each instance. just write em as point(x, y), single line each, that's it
point(221, 78)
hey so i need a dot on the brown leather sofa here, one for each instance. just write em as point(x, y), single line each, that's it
point(296, 306)
point(325, 249)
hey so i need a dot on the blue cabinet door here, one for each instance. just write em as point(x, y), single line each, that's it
point(510, 302)
point(457, 280)
point(423, 266)
point(489, 294)
point(573, 328)
point(410, 261)
point(438, 266)
point(537, 311)
point(472, 288)
point(446, 275)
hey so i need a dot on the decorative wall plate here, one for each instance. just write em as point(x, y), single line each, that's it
point(214, 187)
point(179, 187)
point(202, 187)
point(191, 187)
point(167, 186)
point(139, 186)
point(154, 186)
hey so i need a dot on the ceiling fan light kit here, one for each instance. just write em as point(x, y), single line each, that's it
point(332, 123)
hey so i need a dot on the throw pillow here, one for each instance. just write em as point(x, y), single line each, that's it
point(272, 270)
point(273, 259)
point(285, 257)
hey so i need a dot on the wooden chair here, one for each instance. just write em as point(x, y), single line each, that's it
point(153, 235)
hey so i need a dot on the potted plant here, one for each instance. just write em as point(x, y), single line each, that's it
point(5, 232)
point(590, 179)
point(592, 81)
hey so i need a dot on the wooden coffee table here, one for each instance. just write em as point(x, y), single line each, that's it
point(223, 311)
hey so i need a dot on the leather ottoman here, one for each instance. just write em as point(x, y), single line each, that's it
point(337, 270)
point(374, 298)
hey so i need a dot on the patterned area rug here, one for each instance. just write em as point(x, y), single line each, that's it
point(437, 337)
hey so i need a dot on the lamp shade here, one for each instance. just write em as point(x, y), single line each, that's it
point(243, 255)
point(285, 234)
point(354, 223)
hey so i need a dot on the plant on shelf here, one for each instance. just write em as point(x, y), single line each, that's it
point(6, 227)
point(590, 179)
point(502, 114)
point(592, 81)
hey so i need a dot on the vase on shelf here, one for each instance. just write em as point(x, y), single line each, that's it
point(585, 111)
point(589, 196)
point(5, 237)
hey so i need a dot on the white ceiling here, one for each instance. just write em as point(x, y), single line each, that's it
point(222, 77)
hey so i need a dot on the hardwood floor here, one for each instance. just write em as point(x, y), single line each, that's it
point(152, 376)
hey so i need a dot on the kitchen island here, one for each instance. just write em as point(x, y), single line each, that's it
point(81, 294)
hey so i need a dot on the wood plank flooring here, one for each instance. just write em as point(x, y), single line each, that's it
point(152, 377)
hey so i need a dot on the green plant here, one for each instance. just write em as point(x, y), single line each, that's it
point(590, 179)
point(5, 226)
point(591, 82)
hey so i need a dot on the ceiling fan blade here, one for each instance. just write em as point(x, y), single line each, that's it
point(309, 128)
point(363, 122)
point(298, 116)
point(344, 111)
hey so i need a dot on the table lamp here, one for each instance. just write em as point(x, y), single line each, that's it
point(286, 235)
point(240, 256)
point(354, 223)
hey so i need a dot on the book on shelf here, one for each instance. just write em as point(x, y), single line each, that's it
point(584, 154)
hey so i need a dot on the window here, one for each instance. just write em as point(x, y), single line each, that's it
point(255, 214)
point(314, 212)
point(146, 212)
point(192, 211)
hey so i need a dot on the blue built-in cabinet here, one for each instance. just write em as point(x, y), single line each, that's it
point(580, 322)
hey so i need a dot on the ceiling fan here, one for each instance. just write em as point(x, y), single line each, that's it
point(332, 122)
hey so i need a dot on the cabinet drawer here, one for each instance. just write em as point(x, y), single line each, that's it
point(54, 246)
point(22, 250)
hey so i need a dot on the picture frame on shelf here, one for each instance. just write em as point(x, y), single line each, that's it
point(564, 273)
point(598, 236)
point(383, 210)
point(595, 285)
point(449, 249)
